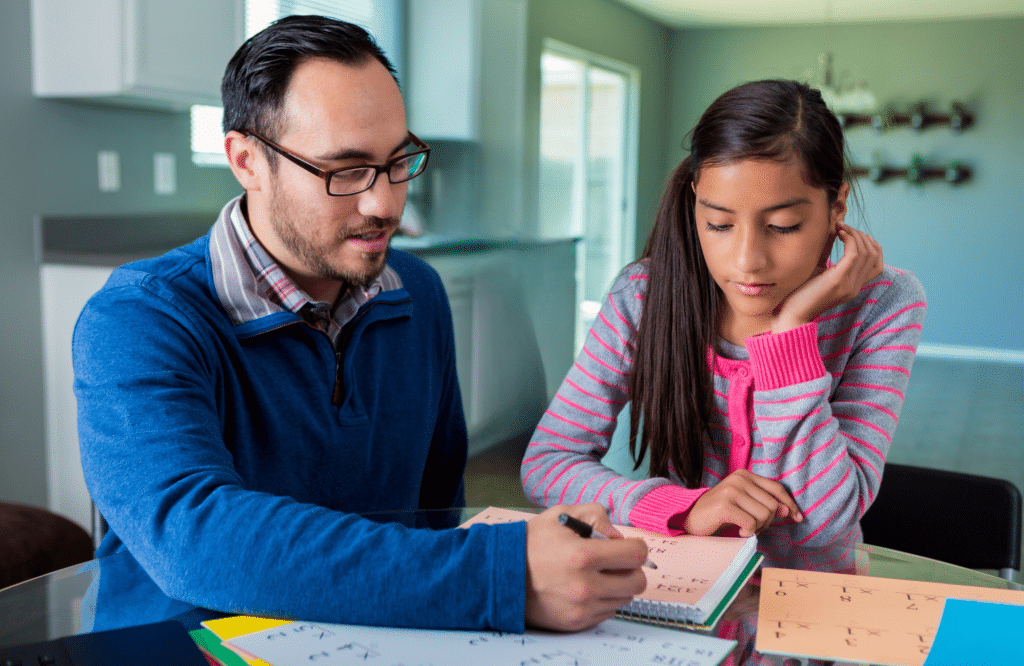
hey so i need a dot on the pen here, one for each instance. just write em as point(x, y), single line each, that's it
point(588, 532)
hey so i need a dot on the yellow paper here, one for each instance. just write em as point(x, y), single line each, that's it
point(239, 625)
point(226, 628)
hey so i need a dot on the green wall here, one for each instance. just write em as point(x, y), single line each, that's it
point(48, 166)
point(963, 243)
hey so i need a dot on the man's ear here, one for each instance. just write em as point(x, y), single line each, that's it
point(245, 160)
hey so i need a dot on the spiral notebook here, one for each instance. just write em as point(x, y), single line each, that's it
point(696, 580)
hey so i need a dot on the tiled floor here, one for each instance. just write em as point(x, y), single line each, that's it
point(965, 417)
point(961, 416)
point(492, 477)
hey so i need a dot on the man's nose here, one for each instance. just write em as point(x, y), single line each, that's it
point(383, 199)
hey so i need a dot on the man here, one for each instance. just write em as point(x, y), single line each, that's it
point(242, 397)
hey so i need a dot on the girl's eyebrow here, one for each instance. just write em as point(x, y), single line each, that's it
point(790, 203)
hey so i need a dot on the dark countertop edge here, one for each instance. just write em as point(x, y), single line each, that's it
point(471, 245)
point(114, 239)
point(110, 260)
point(462, 246)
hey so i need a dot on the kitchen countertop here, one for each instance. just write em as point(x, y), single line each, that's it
point(116, 240)
point(429, 244)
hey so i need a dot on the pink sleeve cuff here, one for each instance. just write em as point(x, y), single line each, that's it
point(786, 358)
point(655, 509)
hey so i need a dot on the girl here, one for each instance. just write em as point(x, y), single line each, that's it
point(765, 382)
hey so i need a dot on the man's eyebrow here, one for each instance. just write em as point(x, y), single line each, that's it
point(789, 203)
point(356, 154)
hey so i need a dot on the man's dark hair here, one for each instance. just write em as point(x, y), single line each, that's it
point(257, 76)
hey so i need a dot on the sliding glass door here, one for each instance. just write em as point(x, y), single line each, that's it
point(588, 167)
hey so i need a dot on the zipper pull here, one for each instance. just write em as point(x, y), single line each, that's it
point(336, 397)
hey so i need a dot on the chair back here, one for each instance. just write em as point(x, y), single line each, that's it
point(968, 520)
point(35, 541)
point(99, 527)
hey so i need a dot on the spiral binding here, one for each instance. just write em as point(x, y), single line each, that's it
point(660, 613)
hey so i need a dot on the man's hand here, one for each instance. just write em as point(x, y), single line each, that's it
point(573, 583)
point(744, 499)
point(861, 263)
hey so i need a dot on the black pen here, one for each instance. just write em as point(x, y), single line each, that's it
point(588, 532)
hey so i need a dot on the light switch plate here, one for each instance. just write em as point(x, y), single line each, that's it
point(164, 177)
point(109, 163)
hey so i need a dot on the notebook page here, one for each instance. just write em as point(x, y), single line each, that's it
point(611, 643)
point(688, 566)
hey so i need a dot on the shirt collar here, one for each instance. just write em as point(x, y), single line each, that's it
point(250, 284)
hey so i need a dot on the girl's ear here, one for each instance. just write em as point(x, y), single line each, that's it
point(838, 214)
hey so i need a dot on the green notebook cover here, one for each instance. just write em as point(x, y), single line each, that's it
point(209, 643)
point(713, 617)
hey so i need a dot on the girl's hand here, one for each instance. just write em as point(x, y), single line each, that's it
point(744, 499)
point(828, 287)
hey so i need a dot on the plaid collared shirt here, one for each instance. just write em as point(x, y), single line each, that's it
point(251, 284)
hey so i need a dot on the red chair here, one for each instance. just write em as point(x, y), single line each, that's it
point(34, 542)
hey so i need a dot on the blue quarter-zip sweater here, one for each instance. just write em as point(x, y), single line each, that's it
point(229, 460)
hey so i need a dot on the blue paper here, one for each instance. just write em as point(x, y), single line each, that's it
point(978, 633)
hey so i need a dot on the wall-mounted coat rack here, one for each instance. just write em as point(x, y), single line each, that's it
point(916, 172)
point(918, 118)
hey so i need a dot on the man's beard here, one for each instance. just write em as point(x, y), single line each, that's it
point(315, 258)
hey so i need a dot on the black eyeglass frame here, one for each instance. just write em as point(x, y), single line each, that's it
point(326, 176)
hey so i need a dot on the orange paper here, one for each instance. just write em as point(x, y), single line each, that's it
point(881, 621)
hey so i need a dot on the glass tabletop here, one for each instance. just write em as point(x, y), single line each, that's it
point(58, 604)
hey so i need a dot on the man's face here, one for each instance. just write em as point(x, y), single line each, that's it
point(334, 116)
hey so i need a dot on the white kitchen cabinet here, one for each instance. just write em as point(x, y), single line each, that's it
point(443, 85)
point(65, 290)
point(466, 66)
point(465, 84)
point(549, 290)
point(512, 309)
point(148, 53)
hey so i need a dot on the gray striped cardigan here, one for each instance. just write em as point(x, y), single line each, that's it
point(813, 408)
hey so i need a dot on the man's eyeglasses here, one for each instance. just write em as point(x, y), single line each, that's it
point(353, 180)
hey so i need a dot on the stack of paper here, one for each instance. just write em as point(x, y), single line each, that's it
point(611, 643)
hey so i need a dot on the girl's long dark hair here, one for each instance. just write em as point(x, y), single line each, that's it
point(670, 383)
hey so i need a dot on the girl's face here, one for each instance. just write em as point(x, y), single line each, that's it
point(764, 232)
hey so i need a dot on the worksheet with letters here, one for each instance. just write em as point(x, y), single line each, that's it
point(611, 643)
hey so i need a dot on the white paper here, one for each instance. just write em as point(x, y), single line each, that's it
point(612, 642)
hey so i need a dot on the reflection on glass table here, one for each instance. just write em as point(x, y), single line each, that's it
point(59, 604)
